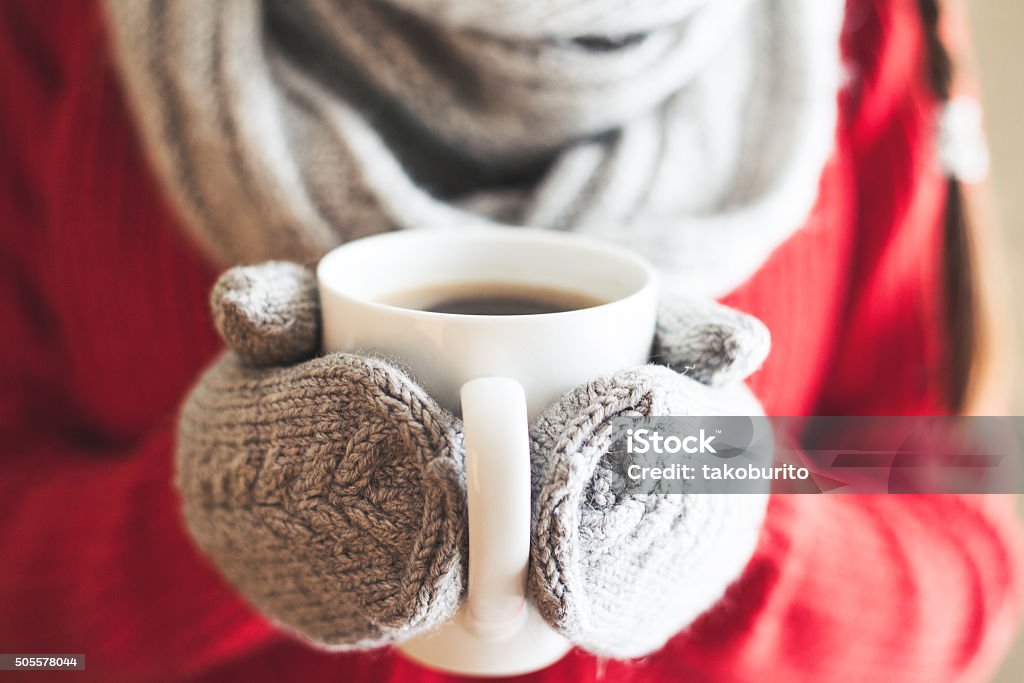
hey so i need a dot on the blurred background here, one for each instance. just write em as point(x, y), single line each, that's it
point(1000, 53)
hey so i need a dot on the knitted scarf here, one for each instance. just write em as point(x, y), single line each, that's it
point(693, 131)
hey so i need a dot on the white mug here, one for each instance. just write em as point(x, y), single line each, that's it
point(499, 372)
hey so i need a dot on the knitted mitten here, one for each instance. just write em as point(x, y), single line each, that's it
point(331, 492)
point(621, 574)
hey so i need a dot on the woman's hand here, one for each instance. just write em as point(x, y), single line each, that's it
point(330, 491)
point(621, 574)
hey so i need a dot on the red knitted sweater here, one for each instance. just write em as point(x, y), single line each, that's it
point(104, 326)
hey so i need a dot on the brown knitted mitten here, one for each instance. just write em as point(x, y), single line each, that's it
point(621, 574)
point(331, 492)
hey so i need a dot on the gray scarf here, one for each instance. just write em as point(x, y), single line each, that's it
point(693, 131)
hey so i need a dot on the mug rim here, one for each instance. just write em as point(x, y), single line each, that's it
point(327, 268)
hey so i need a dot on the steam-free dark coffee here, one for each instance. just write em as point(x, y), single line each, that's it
point(492, 298)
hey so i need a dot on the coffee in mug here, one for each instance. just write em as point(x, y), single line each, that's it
point(492, 298)
point(401, 294)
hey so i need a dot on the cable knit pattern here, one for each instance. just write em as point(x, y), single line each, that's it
point(695, 132)
point(621, 574)
point(102, 333)
point(331, 494)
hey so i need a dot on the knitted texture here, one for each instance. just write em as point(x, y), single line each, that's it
point(714, 344)
point(694, 132)
point(269, 314)
point(330, 493)
point(621, 574)
point(103, 331)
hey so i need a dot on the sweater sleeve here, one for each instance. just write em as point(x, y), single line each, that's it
point(93, 556)
point(887, 587)
point(853, 587)
point(95, 562)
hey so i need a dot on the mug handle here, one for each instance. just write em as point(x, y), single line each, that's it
point(498, 500)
